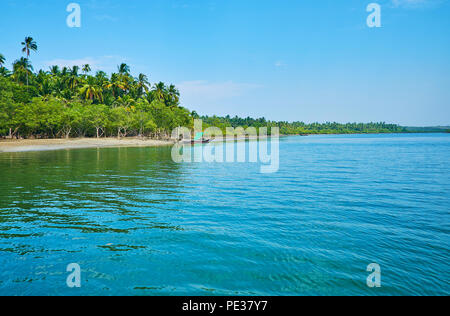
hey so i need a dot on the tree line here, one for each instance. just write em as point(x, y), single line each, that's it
point(301, 128)
point(73, 102)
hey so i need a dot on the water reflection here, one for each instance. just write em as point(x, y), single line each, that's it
point(112, 190)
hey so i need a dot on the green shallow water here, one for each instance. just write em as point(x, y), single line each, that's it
point(139, 224)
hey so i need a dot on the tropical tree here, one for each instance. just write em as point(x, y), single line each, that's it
point(86, 69)
point(54, 70)
point(22, 68)
point(101, 77)
point(2, 60)
point(91, 90)
point(122, 120)
point(142, 84)
point(73, 78)
point(28, 45)
point(97, 116)
point(172, 96)
point(159, 91)
point(4, 72)
point(115, 84)
point(123, 69)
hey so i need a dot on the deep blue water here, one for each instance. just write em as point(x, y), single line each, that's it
point(139, 224)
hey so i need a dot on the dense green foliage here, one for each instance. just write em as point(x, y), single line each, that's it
point(69, 102)
point(298, 128)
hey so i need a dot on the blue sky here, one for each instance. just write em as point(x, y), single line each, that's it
point(307, 60)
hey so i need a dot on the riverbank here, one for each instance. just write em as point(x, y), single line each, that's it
point(23, 145)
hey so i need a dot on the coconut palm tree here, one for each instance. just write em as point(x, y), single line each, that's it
point(142, 84)
point(86, 69)
point(4, 72)
point(64, 71)
point(54, 70)
point(22, 67)
point(73, 78)
point(91, 90)
point(159, 91)
point(28, 45)
point(2, 60)
point(115, 84)
point(101, 77)
point(123, 69)
point(173, 96)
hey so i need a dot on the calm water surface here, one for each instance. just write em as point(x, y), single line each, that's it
point(139, 224)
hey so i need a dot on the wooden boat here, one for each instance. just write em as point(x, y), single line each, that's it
point(202, 141)
point(194, 142)
point(197, 140)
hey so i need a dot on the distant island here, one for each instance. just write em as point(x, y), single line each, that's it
point(72, 103)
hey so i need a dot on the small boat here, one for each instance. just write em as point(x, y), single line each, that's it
point(197, 140)
point(194, 142)
point(203, 141)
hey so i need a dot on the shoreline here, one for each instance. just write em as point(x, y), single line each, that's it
point(26, 145)
point(29, 145)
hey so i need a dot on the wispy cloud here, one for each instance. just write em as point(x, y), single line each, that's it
point(414, 4)
point(280, 63)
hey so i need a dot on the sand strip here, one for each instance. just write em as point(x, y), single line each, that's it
point(24, 145)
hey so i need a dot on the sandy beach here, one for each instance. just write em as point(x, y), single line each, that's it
point(24, 145)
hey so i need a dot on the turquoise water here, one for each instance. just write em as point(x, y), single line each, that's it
point(139, 224)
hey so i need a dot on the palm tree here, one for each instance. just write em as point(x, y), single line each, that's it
point(20, 67)
point(173, 96)
point(54, 70)
point(4, 72)
point(28, 45)
point(91, 90)
point(159, 91)
point(45, 88)
point(115, 84)
point(142, 84)
point(73, 77)
point(101, 77)
point(64, 71)
point(86, 69)
point(123, 69)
